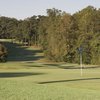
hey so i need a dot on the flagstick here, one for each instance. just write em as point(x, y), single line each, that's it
point(81, 63)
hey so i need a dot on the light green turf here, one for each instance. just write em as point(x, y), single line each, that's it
point(36, 80)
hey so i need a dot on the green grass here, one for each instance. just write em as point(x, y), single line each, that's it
point(32, 79)
point(49, 84)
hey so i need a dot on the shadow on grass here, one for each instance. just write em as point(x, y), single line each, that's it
point(17, 52)
point(53, 65)
point(71, 66)
point(34, 65)
point(72, 80)
point(75, 67)
point(17, 74)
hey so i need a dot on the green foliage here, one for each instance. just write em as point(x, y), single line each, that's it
point(3, 53)
point(59, 34)
point(88, 21)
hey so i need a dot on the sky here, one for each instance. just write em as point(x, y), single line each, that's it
point(22, 9)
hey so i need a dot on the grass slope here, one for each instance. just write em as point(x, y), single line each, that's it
point(26, 77)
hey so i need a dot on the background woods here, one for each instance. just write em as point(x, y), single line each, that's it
point(59, 34)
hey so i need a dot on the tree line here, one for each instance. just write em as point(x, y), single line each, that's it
point(60, 35)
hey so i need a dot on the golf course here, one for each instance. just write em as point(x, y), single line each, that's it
point(28, 75)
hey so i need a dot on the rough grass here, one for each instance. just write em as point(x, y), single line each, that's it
point(31, 79)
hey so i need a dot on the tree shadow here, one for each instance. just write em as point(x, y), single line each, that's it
point(34, 65)
point(57, 65)
point(17, 52)
point(72, 80)
point(77, 67)
point(72, 66)
point(17, 74)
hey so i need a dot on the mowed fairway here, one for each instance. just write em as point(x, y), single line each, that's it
point(28, 76)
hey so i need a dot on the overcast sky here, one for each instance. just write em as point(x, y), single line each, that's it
point(21, 9)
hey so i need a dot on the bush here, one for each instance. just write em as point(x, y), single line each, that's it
point(3, 53)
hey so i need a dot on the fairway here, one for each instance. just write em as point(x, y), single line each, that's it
point(29, 76)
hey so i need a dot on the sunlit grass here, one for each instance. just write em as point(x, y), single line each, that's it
point(36, 79)
point(28, 81)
